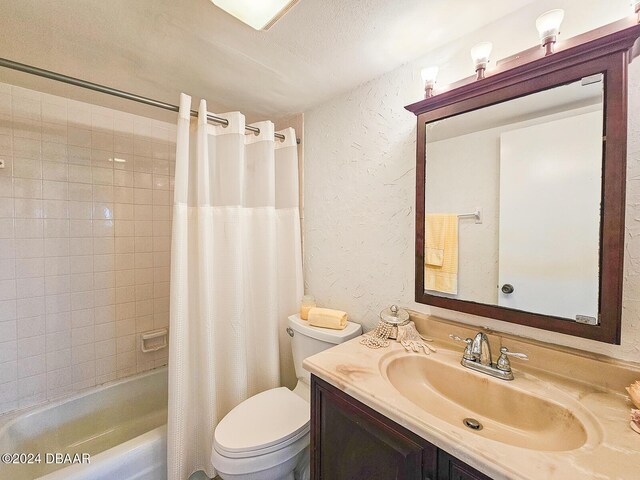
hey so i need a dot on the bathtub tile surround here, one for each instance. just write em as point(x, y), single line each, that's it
point(85, 228)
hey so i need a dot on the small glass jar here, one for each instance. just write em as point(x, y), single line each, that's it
point(308, 302)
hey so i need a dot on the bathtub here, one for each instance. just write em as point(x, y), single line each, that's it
point(121, 425)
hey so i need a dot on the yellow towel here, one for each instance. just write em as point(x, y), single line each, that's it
point(441, 253)
point(327, 318)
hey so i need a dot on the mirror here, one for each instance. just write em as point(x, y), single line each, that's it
point(513, 202)
point(520, 188)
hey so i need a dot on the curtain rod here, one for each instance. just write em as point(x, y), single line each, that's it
point(115, 92)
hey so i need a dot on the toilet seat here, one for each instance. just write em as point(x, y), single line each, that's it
point(265, 423)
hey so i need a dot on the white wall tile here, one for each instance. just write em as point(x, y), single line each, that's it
point(77, 270)
point(82, 353)
point(54, 152)
point(7, 269)
point(56, 228)
point(29, 248)
point(30, 307)
point(29, 267)
point(58, 322)
point(27, 188)
point(58, 359)
point(7, 290)
point(28, 208)
point(8, 330)
point(78, 155)
point(8, 372)
point(30, 327)
point(52, 190)
point(9, 350)
point(29, 287)
point(28, 228)
point(54, 133)
point(30, 386)
point(55, 171)
point(7, 248)
point(30, 366)
point(7, 228)
point(56, 265)
point(57, 303)
point(6, 204)
point(27, 168)
point(31, 346)
point(8, 311)
point(80, 137)
point(56, 209)
point(58, 341)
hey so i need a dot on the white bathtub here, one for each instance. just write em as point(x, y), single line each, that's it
point(122, 426)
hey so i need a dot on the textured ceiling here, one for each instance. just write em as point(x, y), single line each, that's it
point(158, 48)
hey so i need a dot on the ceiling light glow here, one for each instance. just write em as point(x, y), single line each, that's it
point(258, 14)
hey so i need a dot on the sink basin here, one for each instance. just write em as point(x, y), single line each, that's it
point(508, 414)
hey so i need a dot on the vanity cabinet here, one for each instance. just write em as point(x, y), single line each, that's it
point(450, 468)
point(350, 441)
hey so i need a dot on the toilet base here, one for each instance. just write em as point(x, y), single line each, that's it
point(294, 466)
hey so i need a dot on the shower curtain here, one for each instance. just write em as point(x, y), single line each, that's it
point(236, 274)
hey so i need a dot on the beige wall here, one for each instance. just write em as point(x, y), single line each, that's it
point(84, 243)
point(360, 181)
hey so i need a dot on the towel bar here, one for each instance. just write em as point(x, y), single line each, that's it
point(477, 215)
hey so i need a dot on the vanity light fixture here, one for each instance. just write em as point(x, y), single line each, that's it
point(429, 75)
point(548, 25)
point(258, 14)
point(480, 55)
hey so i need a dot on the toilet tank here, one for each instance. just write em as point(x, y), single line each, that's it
point(307, 341)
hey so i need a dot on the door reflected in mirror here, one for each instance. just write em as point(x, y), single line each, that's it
point(513, 203)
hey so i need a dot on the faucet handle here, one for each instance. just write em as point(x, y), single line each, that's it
point(467, 351)
point(503, 361)
point(521, 356)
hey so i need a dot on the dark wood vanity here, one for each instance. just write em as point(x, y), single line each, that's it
point(350, 441)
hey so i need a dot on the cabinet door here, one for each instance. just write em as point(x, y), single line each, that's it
point(349, 441)
point(450, 468)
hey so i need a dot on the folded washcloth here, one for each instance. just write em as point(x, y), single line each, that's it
point(327, 318)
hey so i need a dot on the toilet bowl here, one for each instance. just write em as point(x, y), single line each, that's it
point(266, 437)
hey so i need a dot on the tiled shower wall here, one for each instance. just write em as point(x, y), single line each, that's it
point(85, 228)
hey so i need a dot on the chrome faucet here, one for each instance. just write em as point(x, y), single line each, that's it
point(477, 356)
point(481, 350)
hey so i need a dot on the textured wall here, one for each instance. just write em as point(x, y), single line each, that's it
point(360, 181)
point(84, 243)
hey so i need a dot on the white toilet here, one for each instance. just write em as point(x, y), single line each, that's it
point(266, 437)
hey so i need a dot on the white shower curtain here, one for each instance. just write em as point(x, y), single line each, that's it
point(236, 274)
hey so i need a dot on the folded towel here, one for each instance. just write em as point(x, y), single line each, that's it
point(441, 253)
point(435, 229)
point(327, 318)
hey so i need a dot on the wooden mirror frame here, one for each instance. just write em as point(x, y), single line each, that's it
point(606, 50)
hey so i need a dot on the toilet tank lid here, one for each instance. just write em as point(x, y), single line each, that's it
point(328, 335)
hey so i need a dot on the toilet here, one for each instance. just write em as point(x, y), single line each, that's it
point(266, 437)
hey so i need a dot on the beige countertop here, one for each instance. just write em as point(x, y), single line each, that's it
point(591, 387)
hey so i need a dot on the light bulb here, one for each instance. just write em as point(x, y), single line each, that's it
point(429, 75)
point(480, 55)
point(548, 25)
